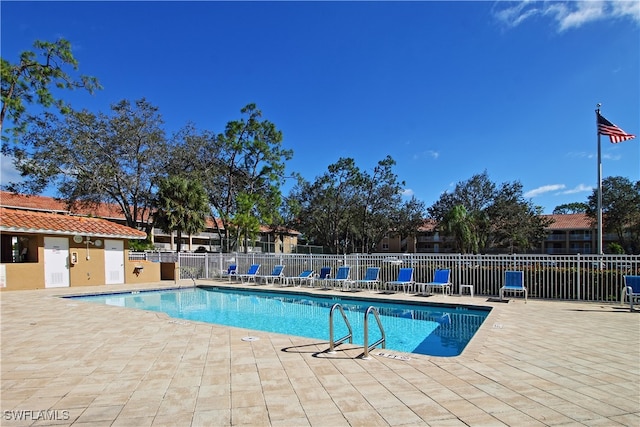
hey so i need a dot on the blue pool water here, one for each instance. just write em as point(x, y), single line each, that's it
point(412, 328)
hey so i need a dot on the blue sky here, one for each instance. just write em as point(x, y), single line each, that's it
point(448, 89)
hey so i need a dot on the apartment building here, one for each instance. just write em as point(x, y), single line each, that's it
point(568, 234)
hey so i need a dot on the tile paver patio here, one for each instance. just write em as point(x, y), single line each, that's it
point(546, 363)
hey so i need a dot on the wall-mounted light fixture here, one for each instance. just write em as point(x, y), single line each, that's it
point(97, 243)
point(137, 269)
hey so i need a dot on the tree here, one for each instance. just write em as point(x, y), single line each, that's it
point(571, 208)
point(181, 206)
point(379, 200)
point(459, 225)
point(241, 169)
point(516, 224)
point(347, 210)
point(620, 210)
point(327, 206)
point(408, 218)
point(95, 159)
point(476, 195)
point(32, 77)
point(483, 217)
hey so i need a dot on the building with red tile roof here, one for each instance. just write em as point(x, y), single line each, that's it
point(43, 244)
point(567, 234)
point(279, 240)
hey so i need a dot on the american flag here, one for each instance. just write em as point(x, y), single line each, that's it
point(605, 127)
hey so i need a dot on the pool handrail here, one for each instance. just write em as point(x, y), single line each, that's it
point(349, 336)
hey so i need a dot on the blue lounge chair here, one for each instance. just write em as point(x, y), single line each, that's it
point(342, 276)
point(324, 276)
point(513, 282)
point(405, 279)
point(371, 279)
point(250, 274)
point(230, 271)
point(305, 276)
point(441, 279)
point(631, 289)
point(276, 274)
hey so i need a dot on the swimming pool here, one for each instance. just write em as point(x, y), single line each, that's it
point(413, 328)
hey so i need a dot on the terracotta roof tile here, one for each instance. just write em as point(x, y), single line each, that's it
point(12, 220)
point(578, 221)
point(40, 203)
point(428, 225)
point(50, 204)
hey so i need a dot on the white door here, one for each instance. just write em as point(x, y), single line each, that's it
point(114, 262)
point(56, 262)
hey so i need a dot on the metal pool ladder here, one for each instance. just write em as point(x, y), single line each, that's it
point(382, 339)
point(349, 336)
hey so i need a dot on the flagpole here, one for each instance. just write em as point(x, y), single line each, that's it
point(599, 208)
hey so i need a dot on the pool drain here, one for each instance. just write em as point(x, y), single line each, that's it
point(250, 338)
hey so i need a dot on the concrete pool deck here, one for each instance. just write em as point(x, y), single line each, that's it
point(544, 363)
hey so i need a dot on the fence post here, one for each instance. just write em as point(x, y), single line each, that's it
point(177, 274)
point(578, 276)
point(206, 264)
point(220, 263)
point(459, 273)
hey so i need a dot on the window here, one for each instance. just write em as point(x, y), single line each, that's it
point(18, 248)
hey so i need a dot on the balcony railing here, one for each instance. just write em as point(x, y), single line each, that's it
point(556, 237)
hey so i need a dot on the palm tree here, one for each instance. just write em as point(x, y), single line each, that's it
point(459, 224)
point(181, 206)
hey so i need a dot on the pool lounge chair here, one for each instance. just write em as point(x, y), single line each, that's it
point(251, 274)
point(276, 274)
point(230, 271)
point(371, 279)
point(405, 279)
point(631, 290)
point(513, 282)
point(323, 277)
point(342, 276)
point(305, 277)
point(441, 280)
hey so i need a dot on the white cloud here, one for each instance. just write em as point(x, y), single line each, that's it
point(517, 13)
point(556, 189)
point(580, 154)
point(407, 192)
point(611, 156)
point(580, 188)
point(565, 14)
point(544, 189)
point(594, 155)
point(429, 153)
